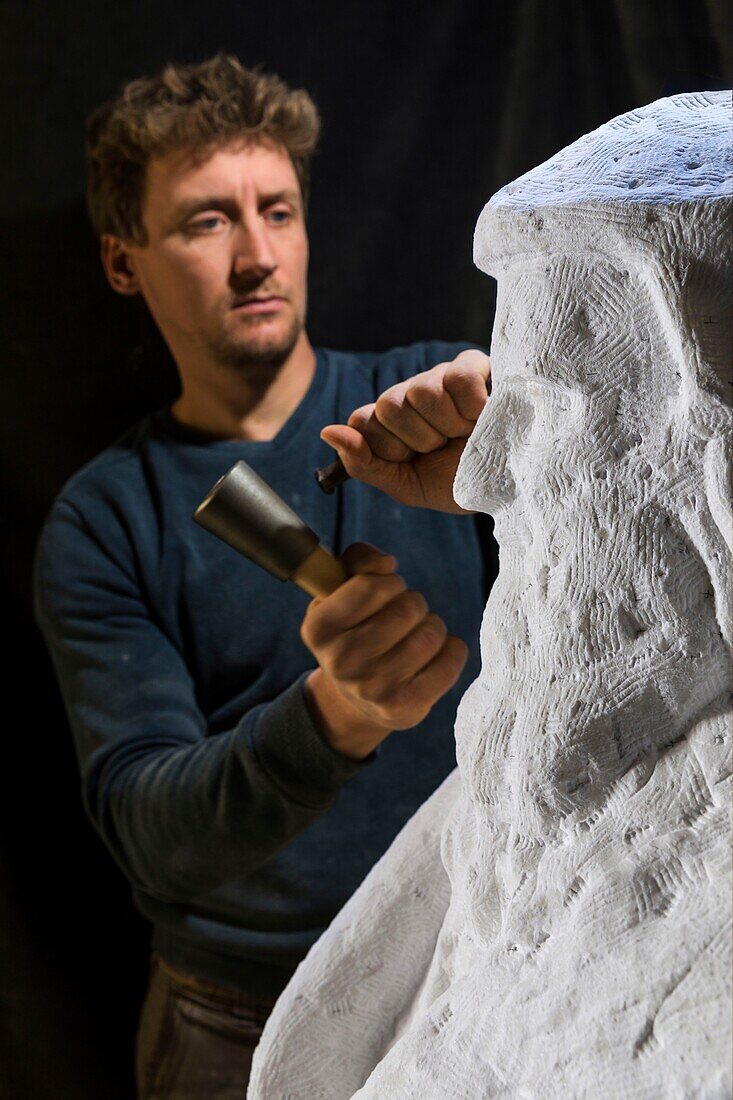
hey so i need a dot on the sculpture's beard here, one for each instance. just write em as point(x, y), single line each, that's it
point(258, 360)
point(595, 660)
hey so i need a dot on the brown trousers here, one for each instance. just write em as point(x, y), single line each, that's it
point(196, 1040)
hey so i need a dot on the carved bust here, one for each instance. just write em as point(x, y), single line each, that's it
point(555, 920)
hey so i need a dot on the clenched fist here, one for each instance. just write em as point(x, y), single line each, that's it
point(384, 658)
point(409, 442)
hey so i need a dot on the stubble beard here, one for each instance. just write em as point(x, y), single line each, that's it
point(258, 362)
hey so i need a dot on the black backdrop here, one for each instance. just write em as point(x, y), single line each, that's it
point(427, 108)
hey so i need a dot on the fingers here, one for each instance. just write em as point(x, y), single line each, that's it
point(468, 381)
point(373, 627)
point(396, 478)
point(350, 444)
point(383, 442)
point(362, 557)
point(434, 680)
point(380, 633)
point(384, 657)
point(359, 598)
point(372, 585)
point(451, 396)
point(415, 413)
point(415, 650)
point(392, 443)
point(422, 413)
point(415, 674)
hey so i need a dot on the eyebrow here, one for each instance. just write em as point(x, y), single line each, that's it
point(186, 209)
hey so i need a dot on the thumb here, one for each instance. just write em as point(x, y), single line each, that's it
point(352, 447)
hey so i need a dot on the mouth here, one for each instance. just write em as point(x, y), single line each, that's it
point(269, 303)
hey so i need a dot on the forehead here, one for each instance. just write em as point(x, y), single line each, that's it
point(239, 167)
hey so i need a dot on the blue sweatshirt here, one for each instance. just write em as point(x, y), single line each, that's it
point(240, 830)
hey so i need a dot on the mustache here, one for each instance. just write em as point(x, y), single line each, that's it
point(255, 283)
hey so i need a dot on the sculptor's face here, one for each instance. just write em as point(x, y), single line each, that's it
point(224, 268)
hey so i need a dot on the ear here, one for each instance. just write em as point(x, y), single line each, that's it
point(119, 265)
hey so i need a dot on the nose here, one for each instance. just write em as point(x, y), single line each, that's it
point(485, 476)
point(253, 252)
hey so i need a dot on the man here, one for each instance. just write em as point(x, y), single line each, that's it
point(245, 783)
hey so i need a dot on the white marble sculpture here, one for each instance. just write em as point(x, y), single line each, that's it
point(554, 923)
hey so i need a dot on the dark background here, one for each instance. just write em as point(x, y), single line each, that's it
point(427, 109)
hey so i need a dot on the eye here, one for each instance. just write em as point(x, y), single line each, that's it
point(205, 225)
point(279, 215)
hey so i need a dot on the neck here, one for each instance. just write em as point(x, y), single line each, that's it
point(225, 404)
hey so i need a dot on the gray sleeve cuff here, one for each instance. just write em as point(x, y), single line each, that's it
point(291, 750)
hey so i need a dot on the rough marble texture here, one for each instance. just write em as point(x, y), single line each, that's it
point(555, 921)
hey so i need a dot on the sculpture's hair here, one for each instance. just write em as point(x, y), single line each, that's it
point(197, 108)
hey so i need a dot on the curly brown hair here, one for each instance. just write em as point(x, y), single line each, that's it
point(197, 107)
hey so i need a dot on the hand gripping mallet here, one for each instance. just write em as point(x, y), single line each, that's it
point(247, 514)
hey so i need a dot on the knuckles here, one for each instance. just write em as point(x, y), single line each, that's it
point(365, 589)
point(427, 393)
point(461, 376)
point(376, 692)
point(472, 359)
point(360, 417)
point(429, 635)
point(385, 687)
point(412, 604)
point(359, 556)
point(389, 404)
point(429, 385)
point(324, 623)
point(346, 666)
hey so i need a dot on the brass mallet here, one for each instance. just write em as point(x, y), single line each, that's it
point(246, 513)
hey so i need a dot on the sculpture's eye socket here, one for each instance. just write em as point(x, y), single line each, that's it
point(707, 302)
point(525, 414)
point(553, 403)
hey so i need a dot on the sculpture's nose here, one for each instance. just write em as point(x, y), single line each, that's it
point(486, 479)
